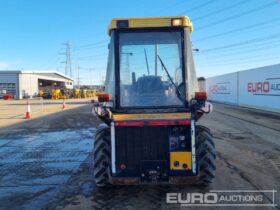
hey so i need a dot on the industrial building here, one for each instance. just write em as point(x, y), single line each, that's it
point(26, 84)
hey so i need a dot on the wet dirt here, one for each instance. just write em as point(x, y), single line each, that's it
point(50, 165)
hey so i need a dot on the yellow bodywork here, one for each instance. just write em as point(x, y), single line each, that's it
point(41, 93)
point(152, 116)
point(77, 93)
point(56, 94)
point(152, 22)
point(85, 93)
point(182, 158)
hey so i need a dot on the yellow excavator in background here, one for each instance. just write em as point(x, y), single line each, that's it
point(56, 94)
point(76, 93)
point(84, 93)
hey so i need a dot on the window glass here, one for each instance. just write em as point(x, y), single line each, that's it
point(144, 82)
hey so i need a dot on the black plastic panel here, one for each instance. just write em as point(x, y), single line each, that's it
point(136, 144)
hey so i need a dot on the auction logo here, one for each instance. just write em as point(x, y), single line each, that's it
point(224, 198)
point(271, 86)
point(220, 88)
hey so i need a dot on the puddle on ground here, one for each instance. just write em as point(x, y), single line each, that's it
point(32, 163)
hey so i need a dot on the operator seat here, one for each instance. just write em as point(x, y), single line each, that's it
point(150, 91)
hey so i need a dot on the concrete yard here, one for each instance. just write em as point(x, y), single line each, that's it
point(12, 112)
point(46, 162)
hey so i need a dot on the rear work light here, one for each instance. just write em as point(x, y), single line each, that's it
point(177, 22)
point(122, 24)
point(104, 97)
point(200, 95)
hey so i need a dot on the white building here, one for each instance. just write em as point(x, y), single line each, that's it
point(23, 84)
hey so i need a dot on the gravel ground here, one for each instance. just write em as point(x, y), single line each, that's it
point(46, 163)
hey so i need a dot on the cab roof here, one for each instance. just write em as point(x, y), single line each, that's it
point(151, 22)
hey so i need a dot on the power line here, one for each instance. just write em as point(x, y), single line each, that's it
point(221, 10)
point(242, 43)
point(86, 68)
point(240, 59)
point(52, 62)
point(137, 64)
point(264, 41)
point(227, 47)
point(92, 44)
point(262, 7)
point(240, 50)
point(247, 60)
point(91, 47)
point(232, 47)
point(239, 29)
point(172, 6)
point(257, 49)
point(197, 7)
point(92, 57)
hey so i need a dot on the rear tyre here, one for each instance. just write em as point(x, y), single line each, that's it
point(205, 155)
point(102, 156)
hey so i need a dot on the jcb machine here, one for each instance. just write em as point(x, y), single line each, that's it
point(56, 93)
point(151, 106)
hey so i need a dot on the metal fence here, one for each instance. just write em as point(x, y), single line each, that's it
point(259, 88)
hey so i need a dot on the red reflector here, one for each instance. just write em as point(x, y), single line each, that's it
point(200, 95)
point(184, 122)
point(123, 166)
point(130, 123)
point(153, 123)
point(161, 122)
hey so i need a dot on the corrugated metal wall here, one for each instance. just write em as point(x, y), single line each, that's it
point(258, 88)
point(9, 84)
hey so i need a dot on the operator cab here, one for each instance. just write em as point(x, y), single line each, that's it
point(147, 68)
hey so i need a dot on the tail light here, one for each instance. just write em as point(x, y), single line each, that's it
point(200, 95)
point(104, 97)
